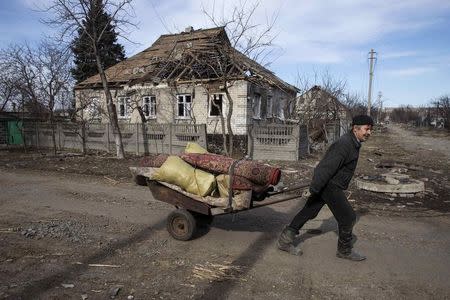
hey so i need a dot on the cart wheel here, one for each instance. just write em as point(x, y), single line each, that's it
point(140, 180)
point(181, 225)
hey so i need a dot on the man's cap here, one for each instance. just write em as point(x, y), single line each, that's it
point(362, 120)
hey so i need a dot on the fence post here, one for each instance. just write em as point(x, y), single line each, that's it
point(137, 138)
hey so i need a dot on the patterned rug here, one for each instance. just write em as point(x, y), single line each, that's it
point(154, 161)
point(248, 175)
point(257, 173)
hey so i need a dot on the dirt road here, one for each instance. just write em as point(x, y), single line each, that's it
point(418, 142)
point(68, 236)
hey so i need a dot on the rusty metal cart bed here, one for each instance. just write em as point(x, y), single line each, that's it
point(189, 213)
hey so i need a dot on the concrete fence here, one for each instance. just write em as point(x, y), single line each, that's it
point(137, 138)
point(278, 142)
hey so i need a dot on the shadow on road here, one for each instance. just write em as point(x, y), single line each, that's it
point(38, 287)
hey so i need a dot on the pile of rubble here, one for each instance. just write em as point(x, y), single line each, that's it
point(394, 183)
point(70, 230)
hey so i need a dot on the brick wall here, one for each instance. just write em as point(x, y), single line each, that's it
point(166, 98)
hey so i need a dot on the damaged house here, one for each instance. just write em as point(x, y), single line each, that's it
point(193, 77)
point(327, 118)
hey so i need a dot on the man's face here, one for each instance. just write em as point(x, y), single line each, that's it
point(362, 132)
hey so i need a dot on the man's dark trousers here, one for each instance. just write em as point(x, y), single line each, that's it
point(335, 198)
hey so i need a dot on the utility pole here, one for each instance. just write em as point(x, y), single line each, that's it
point(372, 59)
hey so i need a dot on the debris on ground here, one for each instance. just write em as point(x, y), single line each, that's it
point(57, 229)
point(215, 272)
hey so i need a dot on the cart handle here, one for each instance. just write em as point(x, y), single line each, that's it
point(261, 204)
point(293, 188)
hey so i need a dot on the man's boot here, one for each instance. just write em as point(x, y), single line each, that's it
point(286, 241)
point(344, 249)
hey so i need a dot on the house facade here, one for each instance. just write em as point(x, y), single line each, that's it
point(319, 108)
point(192, 77)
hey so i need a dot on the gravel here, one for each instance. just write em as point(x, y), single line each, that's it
point(70, 230)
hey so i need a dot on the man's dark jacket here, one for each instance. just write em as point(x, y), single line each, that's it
point(338, 165)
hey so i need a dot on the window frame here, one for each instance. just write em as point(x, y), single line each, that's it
point(151, 106)
point(269, 107)
point(127, 107)
point(256, 106)
point(280, 114)
point(187, 109)
point(93, 108)
point(210, 105)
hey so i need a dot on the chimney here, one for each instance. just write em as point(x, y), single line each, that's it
point(189, 29)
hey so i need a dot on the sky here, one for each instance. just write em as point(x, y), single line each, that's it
point(411, 39)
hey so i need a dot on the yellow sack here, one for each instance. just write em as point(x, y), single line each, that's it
point(194, 148)
point(241, 199)
point(223, 184)
point(176, 171)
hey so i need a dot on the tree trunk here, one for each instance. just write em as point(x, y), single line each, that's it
point(229, 115)
point(144, 129)
point(112, 113)
point(83, 138)
point(52, 122)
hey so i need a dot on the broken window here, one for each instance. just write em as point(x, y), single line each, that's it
point(269, 107)
point(291, 108)
point(184, 104)
point(216, 105)
point(149, 106)
point(124, 108)
point(280, 109)
point(256, 106)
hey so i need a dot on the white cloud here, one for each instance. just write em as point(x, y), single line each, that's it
point(399, 54)
point(324, 32)
point(308, 31)
point(409, 71)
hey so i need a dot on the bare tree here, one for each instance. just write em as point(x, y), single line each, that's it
point(442, 105)
point(354, 103)
point(70, 16)
point(17, 63)
point(404, 114)
point(86, 112)
point(37, 76)
point(52, 63)
point(246, 39)
point(9, 93)
point(321, 101)
point(33, 77)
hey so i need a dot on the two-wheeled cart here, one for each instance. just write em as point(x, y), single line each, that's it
point(190, 212)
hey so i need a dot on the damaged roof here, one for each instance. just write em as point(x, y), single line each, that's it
point(187, 56)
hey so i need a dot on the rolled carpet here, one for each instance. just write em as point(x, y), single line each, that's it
point(154, 161)
point(252, 170)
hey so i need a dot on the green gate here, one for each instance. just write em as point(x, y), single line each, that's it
point(15, 133)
